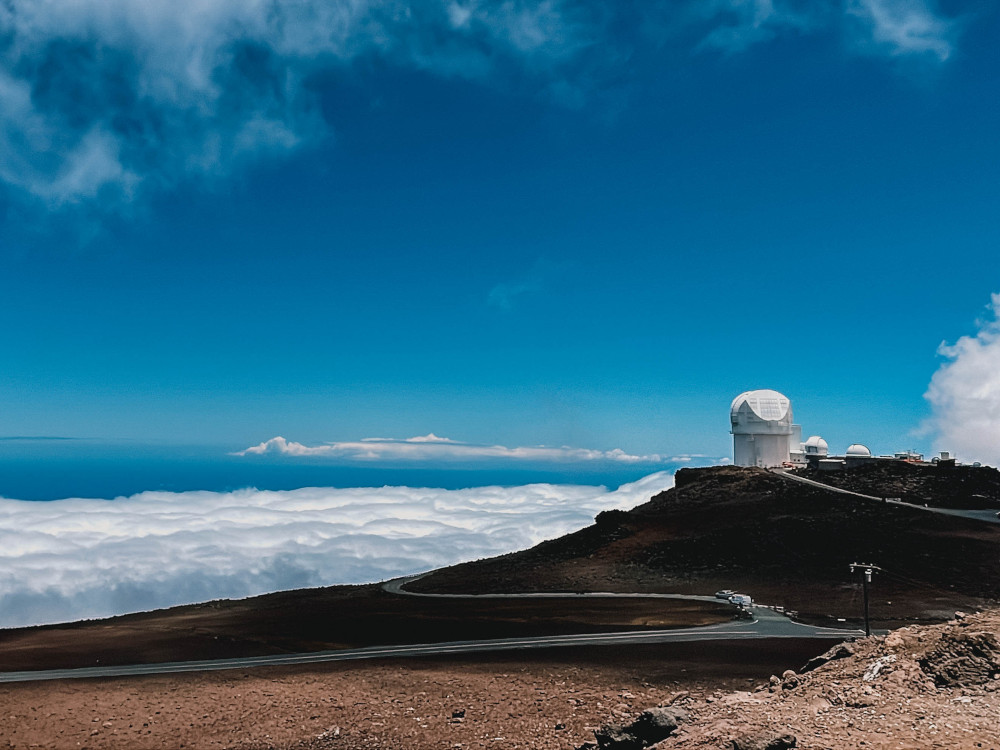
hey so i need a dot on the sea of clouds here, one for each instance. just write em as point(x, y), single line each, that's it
point(74, 559)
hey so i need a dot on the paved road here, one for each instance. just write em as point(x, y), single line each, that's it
point(766, 624)
point(989, 516)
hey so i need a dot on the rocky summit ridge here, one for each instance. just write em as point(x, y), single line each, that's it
point(917, 687)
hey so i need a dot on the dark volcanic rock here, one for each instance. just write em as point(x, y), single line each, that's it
point(839, 651)
point(963, 659)
point(944, 486)
point(764, 741)
point(653, 725)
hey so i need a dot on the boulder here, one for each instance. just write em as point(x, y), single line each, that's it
point(650, 727)
point(962, 659)
point(840, 651)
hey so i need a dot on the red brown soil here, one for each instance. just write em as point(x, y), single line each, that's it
point(889, 694)
point(388, 705)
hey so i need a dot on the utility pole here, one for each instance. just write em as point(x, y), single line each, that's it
point(866, 569)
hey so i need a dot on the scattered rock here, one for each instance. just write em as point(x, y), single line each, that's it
point(764, 741)
point(789, 680)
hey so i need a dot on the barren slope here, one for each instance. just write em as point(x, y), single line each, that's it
point(785, 543)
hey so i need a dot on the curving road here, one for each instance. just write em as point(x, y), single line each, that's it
point(766, 624)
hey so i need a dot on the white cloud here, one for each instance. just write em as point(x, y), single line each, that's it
point(964, 393)
point(120, 95)
point(115, 98)
point(905, 26)
point(434, 448)
point(77, 558)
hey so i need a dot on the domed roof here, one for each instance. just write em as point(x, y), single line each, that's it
point(766, 404)
point(818, 445)
point(858, 450)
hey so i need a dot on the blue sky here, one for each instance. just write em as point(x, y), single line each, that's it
point(585, 224)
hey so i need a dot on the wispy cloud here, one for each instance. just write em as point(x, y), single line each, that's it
point(895, 27)
point(506, 294)
point(964, 393)
point(112, 97)
point(738, 24)
point(434, 448)
point(905, 27)
point(71, 559)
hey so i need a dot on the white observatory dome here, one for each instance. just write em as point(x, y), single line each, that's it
point(857, 450)
point(763, 433)
point(816, 446)
point(765, 405)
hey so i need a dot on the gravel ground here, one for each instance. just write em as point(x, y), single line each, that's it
point(555, 700)
point(919, 687)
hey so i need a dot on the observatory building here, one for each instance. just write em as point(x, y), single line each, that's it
point(764, 436)
point(763, 433)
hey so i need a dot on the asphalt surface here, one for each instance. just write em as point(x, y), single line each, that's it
point(766, 622)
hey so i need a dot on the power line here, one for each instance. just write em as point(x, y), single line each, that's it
point(866, 569)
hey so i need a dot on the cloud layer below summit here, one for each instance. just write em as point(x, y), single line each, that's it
point(82, 558)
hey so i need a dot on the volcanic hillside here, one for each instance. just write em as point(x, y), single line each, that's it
point(784, 542)
point(966, 487)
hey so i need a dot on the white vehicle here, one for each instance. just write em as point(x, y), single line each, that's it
point(741, 600)
point(724, 594)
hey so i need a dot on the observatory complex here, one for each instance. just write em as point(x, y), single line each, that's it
point(764, 435)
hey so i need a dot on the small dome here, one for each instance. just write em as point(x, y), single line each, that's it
point(857, 450)
point(816, 446)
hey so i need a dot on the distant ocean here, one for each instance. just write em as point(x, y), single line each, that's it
point(57, 468)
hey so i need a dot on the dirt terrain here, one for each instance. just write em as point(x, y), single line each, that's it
point(550, 700)
point(918, 687)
